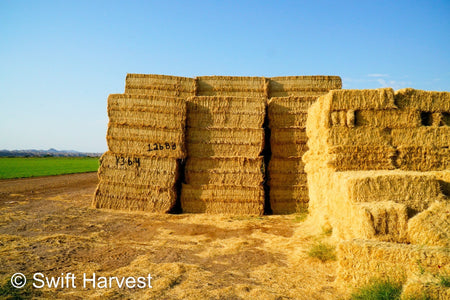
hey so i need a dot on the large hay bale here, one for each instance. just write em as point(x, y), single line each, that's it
point(423, 158)
point(134, 198)
point(288, 120)
point(279, 177)
point(136, 183)
point(423, 100)
point(118, 169)
point(160, 85)
point(302, 85)
point(142, 125)
point(362, 260)
point(222, 199)
point(425, 286)
point(149, 111)
point(432, 226)
point(226, 112)
point(225, 171)
point(231, 86)
point(392, 118)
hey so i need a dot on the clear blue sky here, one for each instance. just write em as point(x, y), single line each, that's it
point(59, 60)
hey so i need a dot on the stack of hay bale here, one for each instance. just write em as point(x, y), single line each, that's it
point(288, 107)
point(378, 174)
point(146, 140)
point(224, 139)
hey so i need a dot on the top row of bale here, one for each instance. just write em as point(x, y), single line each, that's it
point(237, 86)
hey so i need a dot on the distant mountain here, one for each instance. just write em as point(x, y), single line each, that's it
point(49, 152)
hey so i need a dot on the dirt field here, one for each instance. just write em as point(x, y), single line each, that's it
point(47, 225)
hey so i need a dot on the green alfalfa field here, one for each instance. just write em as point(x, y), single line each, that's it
point(23, 167)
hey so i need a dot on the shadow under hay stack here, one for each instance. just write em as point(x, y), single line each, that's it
point(378, 170)
point(290, 100)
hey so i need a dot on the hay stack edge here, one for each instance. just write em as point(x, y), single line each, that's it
point(373, 166)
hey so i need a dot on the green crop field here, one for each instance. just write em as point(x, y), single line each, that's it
point(20, 167)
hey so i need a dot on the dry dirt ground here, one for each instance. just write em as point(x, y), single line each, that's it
point(47, 225)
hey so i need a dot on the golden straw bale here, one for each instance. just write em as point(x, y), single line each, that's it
point(423, 158)
point(388, 118)
point(141, 110)
point(142, 147)
point(302, 85)
point(223, 165)
point(425, 286)
point(160, 85)
point(288, 120)
point(362, 136)
point(423, 100)
point(149, 199)
point(432, 226)
point(349, 158)
point(288, 136)
point(231, 86)
point(288, 199)
point(226, 112)
point(383, 221)
point(125, 102)
point(361, 260)
point(224, 150)
point(147, 134)
point(422, 136)
point(360, 99)
point(288, 150)
point(241, 178)
point(225, 120)
point(277, 178)
point(222, 199)
point(444, 180)
point(289, 105)
point(251, 136)
point(161, 172)
point(417, 190)
point(286, 165)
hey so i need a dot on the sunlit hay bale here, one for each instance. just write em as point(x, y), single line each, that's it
point(146, 125)
point(118, 169)
point(160, 85)
point(392, 118)
point(333, 196)
point(427, 101)
point(148, 111)
point(225, 112)
point(303, 85)
point(134, 197)
point(438, 137)
point(339, 100)
point(136, 183)
point(225, 171)
point(348, 158)
point(231, 86)
point(146, 141)
point(423, 158)
point(432, 226)
point(285, 199)
point(425, 286)
point(251, 136)
point(205, 150)
point(362, 260)
point(222, 199)
point(384, 221)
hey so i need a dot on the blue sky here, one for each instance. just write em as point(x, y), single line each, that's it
point(59, 60)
